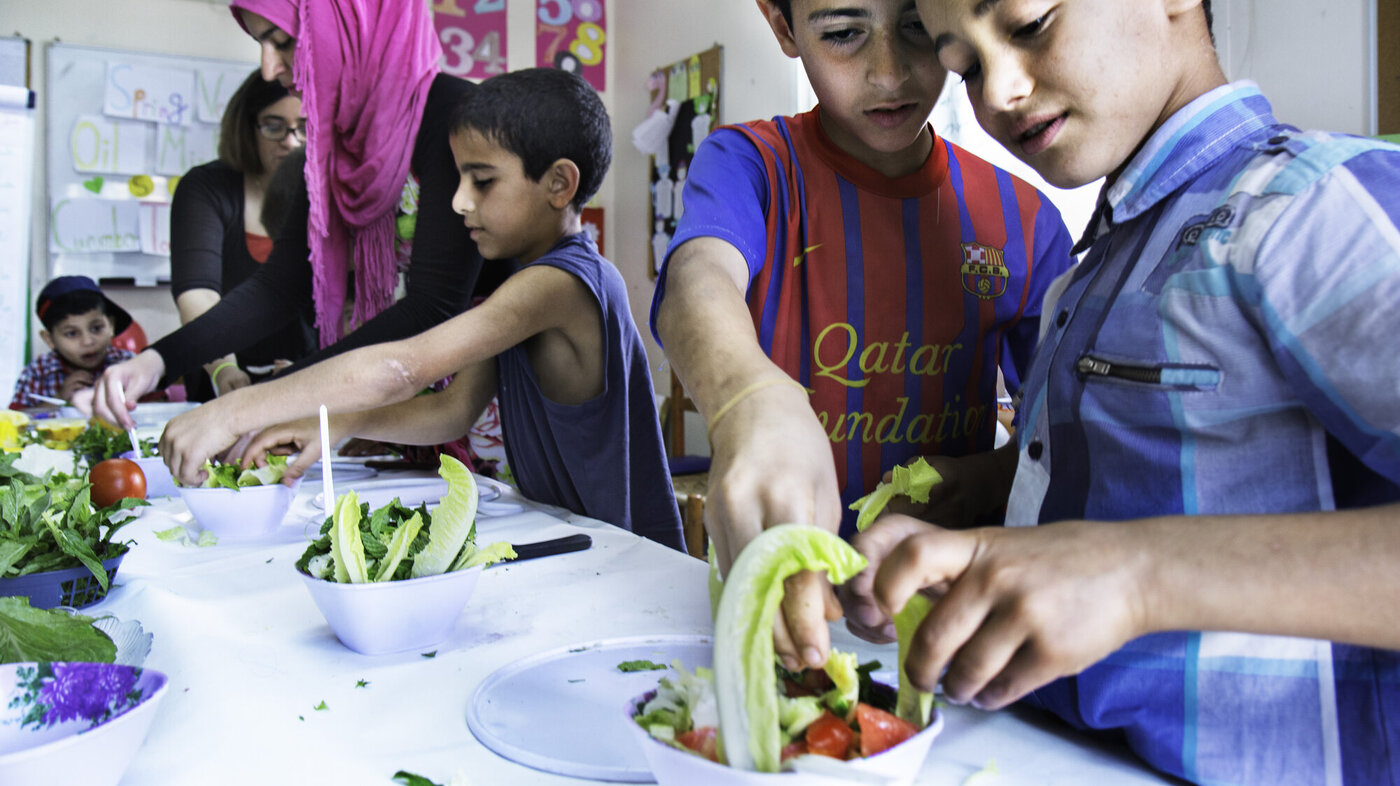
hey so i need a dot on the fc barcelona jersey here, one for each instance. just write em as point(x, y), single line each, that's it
point(892, 300)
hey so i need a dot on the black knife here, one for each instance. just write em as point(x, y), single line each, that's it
point(545, 548)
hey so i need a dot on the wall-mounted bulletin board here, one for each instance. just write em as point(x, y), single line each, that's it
point(693, 84)
point(122, 128)
point(473, 37)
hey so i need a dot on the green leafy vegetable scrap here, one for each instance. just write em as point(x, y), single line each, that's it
point(640, 665)
point(30, 634)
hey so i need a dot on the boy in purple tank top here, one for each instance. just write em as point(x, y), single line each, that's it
point(556, 341)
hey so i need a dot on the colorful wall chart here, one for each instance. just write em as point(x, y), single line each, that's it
point(572, 35)
point(473, 36)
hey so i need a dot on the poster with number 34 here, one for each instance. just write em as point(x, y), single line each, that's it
point(571, 34)
point(473, 36)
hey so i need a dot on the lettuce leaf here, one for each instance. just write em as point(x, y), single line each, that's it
point(745, 683)
point(454, 521)
point(912, 704)
point(30, 634)
point(914, 481)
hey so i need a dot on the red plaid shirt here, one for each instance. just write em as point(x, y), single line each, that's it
point(46, 374)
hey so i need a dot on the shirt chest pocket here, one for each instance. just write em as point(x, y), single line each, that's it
point(1147, 375)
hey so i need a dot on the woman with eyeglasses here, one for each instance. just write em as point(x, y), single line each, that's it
point(217, 234)
point(380, 179)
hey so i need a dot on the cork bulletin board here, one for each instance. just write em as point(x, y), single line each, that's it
point(694, 84)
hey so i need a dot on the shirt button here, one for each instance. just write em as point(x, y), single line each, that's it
point(1061, 318)
point(1034, 450)
point(1277, 140)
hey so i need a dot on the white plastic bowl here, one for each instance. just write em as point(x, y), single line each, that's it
point(249, 513)
point(897, 766)
point(159, 483)
point(83, 747)
point(393, 616)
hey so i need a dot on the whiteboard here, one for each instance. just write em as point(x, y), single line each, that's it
point(16, 160)
point(121, 128)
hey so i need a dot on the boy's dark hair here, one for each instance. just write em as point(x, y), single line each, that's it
point(1210, 19)
point(285, 190)
point(786, 7)
point(238, 131)
point(542, 115)
point(67, 296)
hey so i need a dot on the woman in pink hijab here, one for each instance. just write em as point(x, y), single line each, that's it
point(380, 179)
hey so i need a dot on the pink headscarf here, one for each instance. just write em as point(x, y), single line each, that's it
point(364, 68)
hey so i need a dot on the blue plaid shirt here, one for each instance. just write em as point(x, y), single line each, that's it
point(45, 376)
point(1225, 347)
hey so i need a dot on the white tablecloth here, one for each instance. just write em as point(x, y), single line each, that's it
point(250, 657)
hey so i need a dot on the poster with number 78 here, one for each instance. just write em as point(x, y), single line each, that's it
point(473, 37)
point(572, 35)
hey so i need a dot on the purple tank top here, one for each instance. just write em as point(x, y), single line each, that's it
point(602, 458)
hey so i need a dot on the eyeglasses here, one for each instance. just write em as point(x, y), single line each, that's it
point(276, 129)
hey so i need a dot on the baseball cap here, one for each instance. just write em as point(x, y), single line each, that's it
point(66, 285)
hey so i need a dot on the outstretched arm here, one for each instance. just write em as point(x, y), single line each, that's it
point(1019, 607)
point(771, 462)
point(376, 375)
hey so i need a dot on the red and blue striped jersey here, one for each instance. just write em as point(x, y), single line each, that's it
point(893, 300)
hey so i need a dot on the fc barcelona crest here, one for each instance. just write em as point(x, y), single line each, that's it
point(984, 272)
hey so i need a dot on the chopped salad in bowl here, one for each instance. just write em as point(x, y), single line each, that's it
point(749, 720)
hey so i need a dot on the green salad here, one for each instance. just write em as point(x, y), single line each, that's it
point(230, 475)
point(50, 523)
point(395, 542)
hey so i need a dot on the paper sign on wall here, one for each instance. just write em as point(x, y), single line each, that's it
point(213, 87)
point(161, 95)
point(101, 144)
point(178, 148)
point(473, 36)
point(84, 226)
point(572, 35)
point(155, 228)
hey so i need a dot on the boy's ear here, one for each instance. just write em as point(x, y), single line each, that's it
point(562, 181)
point(48, 339)
point(781, 30)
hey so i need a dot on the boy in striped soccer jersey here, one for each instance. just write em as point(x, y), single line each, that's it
point(1211, 422)
point(842, 290)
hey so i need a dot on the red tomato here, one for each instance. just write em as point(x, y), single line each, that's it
point(879, 730)
point(701, 740)
point(794, 748)
point(829, 736)
point(116, 479)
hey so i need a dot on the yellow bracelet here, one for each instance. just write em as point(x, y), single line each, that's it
point(214, 376)
point(745, 393)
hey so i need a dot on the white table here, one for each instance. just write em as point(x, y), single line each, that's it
point(249, 657)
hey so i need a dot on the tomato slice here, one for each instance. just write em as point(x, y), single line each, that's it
point(701, 740)
point(829, 736)
point(880, 731)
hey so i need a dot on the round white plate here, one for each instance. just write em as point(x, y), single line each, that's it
point(411, 492)
point(341, 472)
point(558, 711)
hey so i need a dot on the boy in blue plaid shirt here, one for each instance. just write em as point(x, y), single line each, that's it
point(79, 324)
point(1211, 423)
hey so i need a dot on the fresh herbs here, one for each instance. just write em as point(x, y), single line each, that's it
point(51, 524)
point(99, 442)
point(30, 634)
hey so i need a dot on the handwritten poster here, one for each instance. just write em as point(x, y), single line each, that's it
point(155, 228)
point(473, 36)
point(179, 149)
point(86, 226)
point(101, 144)
point(213, 87)
point(572, 35)
point(161, 95)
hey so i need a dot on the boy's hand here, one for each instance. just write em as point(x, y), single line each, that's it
point(194, 437)
point(1015, 608)
point(298, 436)
point(74, 382)
point(116, 391)
point(771, 464)
point(972, 486)
point(230, 379)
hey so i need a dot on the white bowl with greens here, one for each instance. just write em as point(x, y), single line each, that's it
point(238, 504)
point(396, 579)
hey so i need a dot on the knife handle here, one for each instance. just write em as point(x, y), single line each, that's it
point(545, 548)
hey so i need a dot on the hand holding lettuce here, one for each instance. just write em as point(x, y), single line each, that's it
point(232, 475)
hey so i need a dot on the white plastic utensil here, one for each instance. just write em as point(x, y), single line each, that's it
point(131, 432)
point(327, 488)
point(48, 399)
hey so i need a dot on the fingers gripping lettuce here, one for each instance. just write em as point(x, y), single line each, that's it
point(745, 683)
